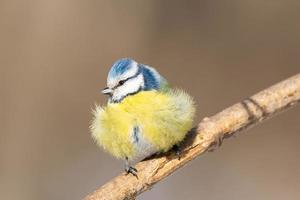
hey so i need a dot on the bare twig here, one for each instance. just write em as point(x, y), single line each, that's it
point(210, 132)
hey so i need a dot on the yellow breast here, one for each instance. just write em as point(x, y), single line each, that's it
point(163, 119)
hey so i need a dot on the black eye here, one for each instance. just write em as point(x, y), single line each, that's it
point(121, 82)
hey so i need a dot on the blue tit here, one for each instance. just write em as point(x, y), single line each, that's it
point(143, 116)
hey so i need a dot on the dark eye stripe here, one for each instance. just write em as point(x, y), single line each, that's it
point(121, 82)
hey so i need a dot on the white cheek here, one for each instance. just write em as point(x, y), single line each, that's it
point(131, 86)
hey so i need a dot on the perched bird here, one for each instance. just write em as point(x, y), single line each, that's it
point(143, 115)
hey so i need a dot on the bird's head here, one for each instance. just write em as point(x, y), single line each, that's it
point(127, 77)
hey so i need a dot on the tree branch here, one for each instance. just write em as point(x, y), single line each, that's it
point(210, 132)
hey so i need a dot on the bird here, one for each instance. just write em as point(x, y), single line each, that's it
point(143, 116)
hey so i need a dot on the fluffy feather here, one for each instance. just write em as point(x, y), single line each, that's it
point(144, 123)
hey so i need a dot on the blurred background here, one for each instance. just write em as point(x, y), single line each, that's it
point(54, 58)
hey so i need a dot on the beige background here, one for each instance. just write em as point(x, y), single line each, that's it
point(54, 58)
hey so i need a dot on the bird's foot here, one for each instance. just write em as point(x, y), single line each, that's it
point(131, 170)
point(177, 150)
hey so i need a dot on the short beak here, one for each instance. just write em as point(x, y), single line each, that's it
point(107, 91)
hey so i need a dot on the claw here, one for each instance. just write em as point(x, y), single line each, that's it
point(177, 150)
point(129, 169)
point(132, 170)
